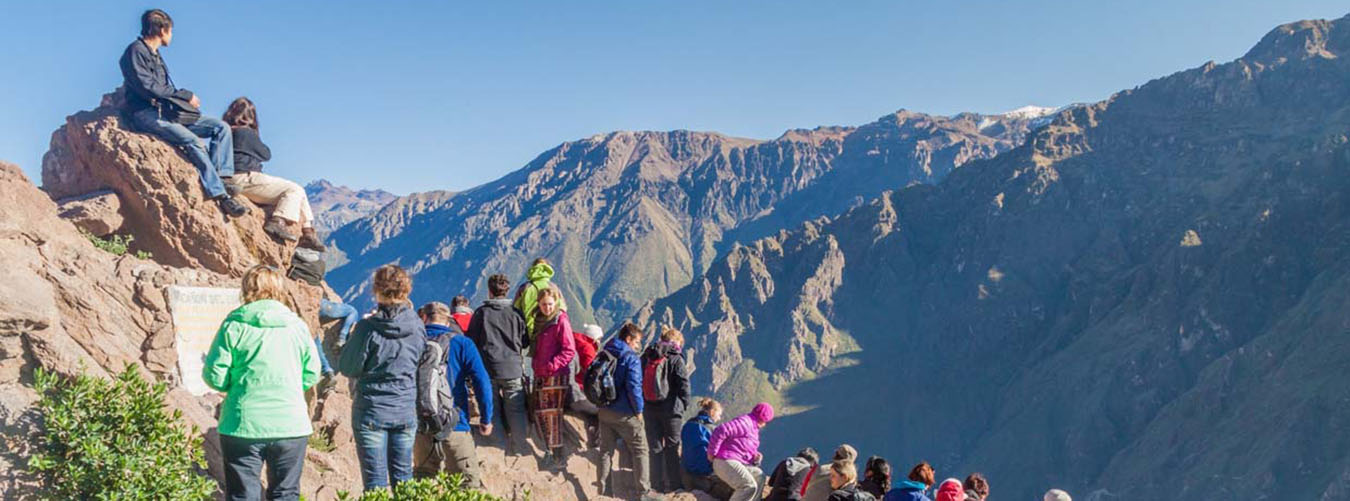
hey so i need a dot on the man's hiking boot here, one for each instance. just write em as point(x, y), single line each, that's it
point(310, 240)
point(277, 228)
point(231, 207)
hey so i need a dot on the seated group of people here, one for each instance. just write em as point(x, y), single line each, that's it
point(228, 153)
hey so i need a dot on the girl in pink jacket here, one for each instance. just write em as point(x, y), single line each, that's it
point(554, 350)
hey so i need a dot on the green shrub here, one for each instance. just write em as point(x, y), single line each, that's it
point(440, 488)
point(112, 439)
point(114, 244)
point(320, 441)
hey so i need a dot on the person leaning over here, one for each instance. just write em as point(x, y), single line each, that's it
point(499, 332)
point(451, 450)
point(381, 356)
point(264, 359)
point(151, 101)
point(734, 451)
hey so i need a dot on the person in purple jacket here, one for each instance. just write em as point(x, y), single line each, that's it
point(734, 451)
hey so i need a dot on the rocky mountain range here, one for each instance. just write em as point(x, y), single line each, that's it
point(336, 205)
point(1145, 300)
point(630, 216)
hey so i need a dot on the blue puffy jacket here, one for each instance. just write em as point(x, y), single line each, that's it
point(908, 490)
point(462, 364)
point(627, 378)
point(694, 444)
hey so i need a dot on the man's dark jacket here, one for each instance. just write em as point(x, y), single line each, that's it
point(146, 78)
point(499, 331)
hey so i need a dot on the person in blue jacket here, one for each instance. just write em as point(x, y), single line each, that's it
point(694, 436)
point(623, 417)
point(455, 453)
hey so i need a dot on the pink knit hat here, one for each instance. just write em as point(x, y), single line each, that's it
point(763, 412)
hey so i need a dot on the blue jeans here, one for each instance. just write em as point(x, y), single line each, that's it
point(244, 458)
point(213, 161)
point(385, 452)
point(333, 309)
point(323, 359)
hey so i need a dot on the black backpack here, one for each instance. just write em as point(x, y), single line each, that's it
point(307, 265)
point(436, 412)
point(601, 389)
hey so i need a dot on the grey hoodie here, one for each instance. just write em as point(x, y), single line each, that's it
point(382, 356)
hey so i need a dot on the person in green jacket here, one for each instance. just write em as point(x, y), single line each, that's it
point(539, 277)
point(263, 358)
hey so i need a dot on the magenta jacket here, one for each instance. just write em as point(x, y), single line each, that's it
point(554, 347)
point(735, 440)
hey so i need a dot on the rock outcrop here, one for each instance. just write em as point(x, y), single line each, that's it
point(160, 193)
point(68, 306)
point(1146, 300)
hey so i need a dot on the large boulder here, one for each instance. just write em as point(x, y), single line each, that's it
point(160, 191)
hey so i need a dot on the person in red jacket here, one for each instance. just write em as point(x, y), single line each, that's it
point(461, 312)
point(588, 344)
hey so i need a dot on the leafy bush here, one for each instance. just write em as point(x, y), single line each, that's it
point(112, 439)
point(320, 441)
point(114, 244)
point(440, 488)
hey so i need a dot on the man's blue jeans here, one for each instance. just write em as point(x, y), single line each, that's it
point(213, 160)
point(332, 309)
point(385, 452)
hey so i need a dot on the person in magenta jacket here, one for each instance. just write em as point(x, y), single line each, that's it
point(734, 451)
point(554, 350)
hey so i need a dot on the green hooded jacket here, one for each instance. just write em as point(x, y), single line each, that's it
point(539, 277)
point(264, 359)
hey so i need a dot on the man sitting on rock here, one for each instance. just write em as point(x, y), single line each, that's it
point(150, 98)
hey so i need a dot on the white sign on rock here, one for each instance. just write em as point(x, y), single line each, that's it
point(197, 314)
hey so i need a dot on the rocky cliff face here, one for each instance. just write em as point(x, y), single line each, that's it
point(1145, 301)
point(335, 206)
point(629, 216)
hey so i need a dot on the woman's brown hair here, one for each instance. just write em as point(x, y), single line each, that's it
point(391, 284)
point(263, 282)
point(242, 113)
point(923, 473)
point(673, 335)
point(708, 404)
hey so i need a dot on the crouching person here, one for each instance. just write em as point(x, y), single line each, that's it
point(734, 451)
point(382, 358)
point(449, 361)
point(263, 358)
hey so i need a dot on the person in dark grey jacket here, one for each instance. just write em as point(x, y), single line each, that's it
point(664, 417)
point(382, 355)
point(498, 330)
point(148, 88)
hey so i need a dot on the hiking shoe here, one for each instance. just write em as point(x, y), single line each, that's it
point(652, 496)
point(310, 240)
point(277, 228)
point(231, 207)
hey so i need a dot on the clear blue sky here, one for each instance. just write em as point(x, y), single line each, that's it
point(411, 96)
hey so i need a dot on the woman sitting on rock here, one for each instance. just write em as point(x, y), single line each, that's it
point(290, 204)
point(264, 359)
